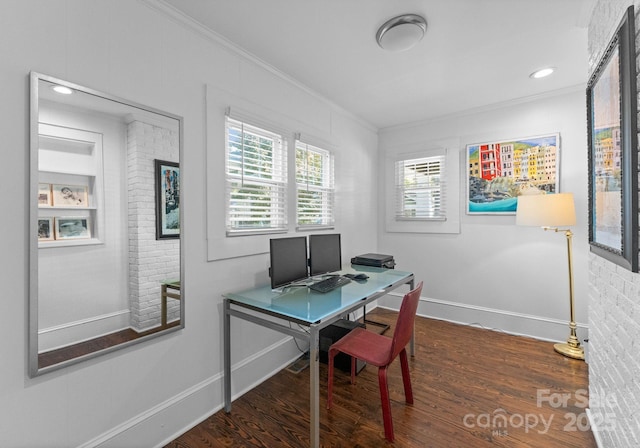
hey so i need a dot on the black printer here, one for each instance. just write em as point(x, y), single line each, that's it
point(375, 260)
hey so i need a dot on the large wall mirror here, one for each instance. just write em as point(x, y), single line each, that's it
point(105, 217)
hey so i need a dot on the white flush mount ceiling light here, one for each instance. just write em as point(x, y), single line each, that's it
point(402, 32)
point(62, 89)
point(543, 72)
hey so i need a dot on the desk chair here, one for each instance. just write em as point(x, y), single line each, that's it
point(380, 351)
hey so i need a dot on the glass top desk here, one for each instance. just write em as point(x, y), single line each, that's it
point(310, 309)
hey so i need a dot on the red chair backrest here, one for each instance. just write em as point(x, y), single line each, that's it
point(404, 325)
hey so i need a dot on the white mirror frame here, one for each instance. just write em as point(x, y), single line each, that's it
point(33, 346)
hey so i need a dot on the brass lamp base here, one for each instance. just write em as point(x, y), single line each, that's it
point(570, 350)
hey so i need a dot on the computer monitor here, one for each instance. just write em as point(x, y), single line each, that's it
point(324, 253)
point(288, 260)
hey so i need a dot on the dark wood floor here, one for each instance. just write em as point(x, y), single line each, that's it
point(472, 388)
point(46, 359)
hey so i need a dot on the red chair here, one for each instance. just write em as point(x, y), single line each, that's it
point(380, 351)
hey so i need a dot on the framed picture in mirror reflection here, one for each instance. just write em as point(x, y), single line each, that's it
point(45, 229)
point(73, 228)
point(69, 195)
point(44, 195)
point(167, 176)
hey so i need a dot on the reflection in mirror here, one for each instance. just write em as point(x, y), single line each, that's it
point(102, 274)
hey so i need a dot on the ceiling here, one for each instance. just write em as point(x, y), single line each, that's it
point(474, 53)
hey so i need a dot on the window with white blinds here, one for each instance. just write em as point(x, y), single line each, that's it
point(420, 189)
point(315, 190)
point(256, 171)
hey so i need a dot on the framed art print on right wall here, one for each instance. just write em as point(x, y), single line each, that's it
point(613, 158)
point(501, 170)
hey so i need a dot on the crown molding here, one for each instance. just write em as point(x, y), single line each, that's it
point(183, 19)
point(487, 108)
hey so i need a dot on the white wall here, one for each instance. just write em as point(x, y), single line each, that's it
point(146, 394)
point(494, 273)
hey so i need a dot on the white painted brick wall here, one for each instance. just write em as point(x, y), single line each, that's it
point(151, 261)
point(614, 300)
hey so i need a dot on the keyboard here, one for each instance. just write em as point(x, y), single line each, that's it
point(329, 284)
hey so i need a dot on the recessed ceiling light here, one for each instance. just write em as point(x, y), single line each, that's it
point(542, 72)
point(62, 89)
point(402, 32)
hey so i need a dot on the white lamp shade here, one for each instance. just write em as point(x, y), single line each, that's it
point(546, 210)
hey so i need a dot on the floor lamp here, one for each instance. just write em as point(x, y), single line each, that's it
point(552, 211)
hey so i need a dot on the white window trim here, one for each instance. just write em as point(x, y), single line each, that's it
point(328, 187)
point(219, 103)
point(280, 185)
point(421, 191)
point(451, 222)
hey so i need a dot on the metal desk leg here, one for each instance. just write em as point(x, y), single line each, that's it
point(226, 324)
point(163, 305)
point(314, 386)
point(412, 344)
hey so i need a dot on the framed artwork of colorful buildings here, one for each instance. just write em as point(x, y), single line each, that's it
point(498, 172)
point(612, 112)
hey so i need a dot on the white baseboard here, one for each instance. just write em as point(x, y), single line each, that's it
point(82, 330)
point(519, 324)
point(165, 422)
